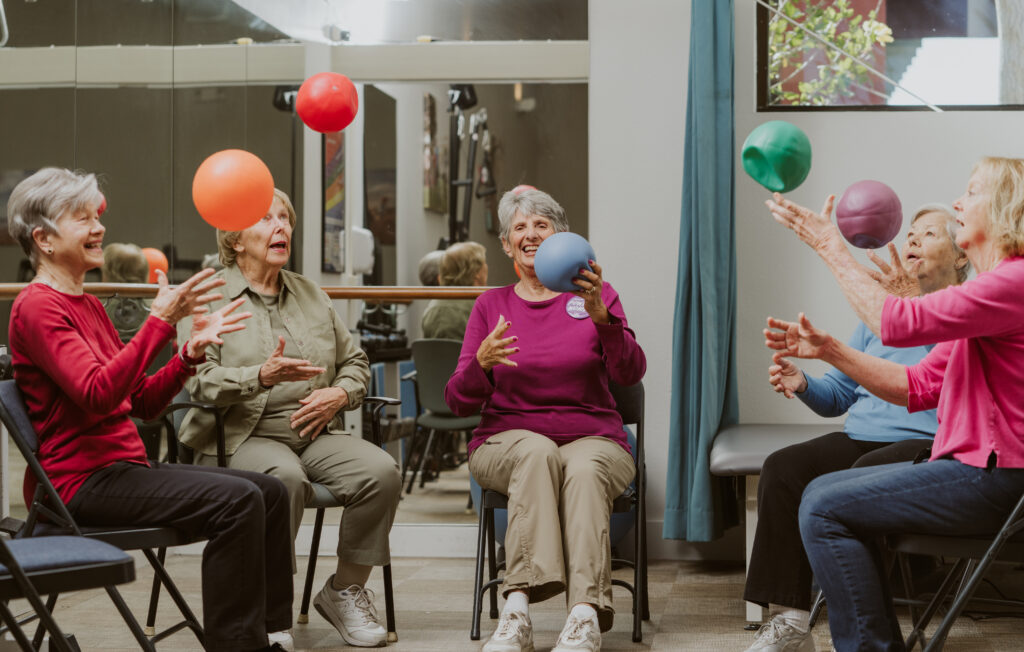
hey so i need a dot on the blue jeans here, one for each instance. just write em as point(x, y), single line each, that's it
point(843, 515)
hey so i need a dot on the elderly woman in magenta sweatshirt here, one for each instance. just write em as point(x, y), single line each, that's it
point(536, 364)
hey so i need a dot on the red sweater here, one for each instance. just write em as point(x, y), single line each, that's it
point(81, 383)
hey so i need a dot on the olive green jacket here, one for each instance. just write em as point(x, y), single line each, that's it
point(230, 376)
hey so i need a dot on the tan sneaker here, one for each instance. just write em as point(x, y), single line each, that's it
point(513, 634)
point(579, 635)
point(776, 636)
point(352, 613)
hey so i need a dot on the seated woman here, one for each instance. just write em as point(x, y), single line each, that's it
point(81, 386)
point(281, 386)
point(536, 364)
point(463, 263)
point(875, 432)
point(974, 376)
point(125, 263)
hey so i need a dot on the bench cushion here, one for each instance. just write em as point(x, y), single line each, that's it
point(742, 448)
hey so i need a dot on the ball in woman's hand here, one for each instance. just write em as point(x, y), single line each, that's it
point(327, 101)
point(777, 155)
point(869, 214)
point(232, 189)
point(559, 259)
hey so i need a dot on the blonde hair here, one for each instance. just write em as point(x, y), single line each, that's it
point(1006, 203)
point(461, 263)
point(226, 239)
point(124, 263)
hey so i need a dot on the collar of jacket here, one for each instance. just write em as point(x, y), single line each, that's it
point(236, 283)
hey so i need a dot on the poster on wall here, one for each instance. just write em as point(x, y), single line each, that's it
point(333, 232)
point(435, 160)
point(8, 180)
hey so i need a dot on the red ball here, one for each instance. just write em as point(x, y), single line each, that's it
point(232, 189)
point(327, 101)
point(157, 260)
point(102, 208)
point(869, 214)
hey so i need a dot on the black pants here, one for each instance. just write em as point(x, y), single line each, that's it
point(779, 572)
point(247, 582)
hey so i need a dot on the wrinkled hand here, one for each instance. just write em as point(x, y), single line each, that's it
point(279, 369)
point(317, 410)
point(496, 348)
point(207, 327)
point(590, 289)
point(174, 304)
point(785, 377)
point(815, 229)
point(898, 278)
point(797, 340)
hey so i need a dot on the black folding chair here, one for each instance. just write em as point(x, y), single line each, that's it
point(46, 503)
point(629, 401)
point(31, 568)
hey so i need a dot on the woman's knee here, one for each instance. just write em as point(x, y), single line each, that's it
point(383, 475)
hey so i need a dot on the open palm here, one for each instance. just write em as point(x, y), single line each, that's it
point(798, 339)
point(207, 327)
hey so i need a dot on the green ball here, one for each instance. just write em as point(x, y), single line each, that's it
point(777, 155)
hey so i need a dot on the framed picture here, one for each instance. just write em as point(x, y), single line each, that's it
point(8, 180)
point(435, 160)
point(333, 232)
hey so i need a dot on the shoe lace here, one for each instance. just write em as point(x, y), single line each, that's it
point(576, 629)
point(508, 626)
point(362, 599)
point(771, 631)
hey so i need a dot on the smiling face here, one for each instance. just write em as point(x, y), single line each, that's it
point(972, 211)
point(78, 243)
point(928, 240)
point(525, 234)
point(267, 243)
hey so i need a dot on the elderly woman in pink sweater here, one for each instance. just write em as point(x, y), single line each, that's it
point(536, 364)
point(974, 376)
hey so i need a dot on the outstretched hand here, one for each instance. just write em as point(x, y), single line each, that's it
point(174, 304)
point(495, 349)
point(816, 229)
point(785, 377)
point(898, 278)
point(279, 369)
point(798, 339)
point(207, 327)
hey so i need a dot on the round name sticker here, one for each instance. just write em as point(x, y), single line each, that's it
point(575, 308)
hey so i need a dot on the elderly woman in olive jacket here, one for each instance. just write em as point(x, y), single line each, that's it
point(281, 387)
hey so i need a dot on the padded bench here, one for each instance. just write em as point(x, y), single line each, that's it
point(740, 450)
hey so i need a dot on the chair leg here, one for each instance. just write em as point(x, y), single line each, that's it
point(314, 551)
point(478, 580)
point(389, 605)
point(172, 590)
point(819, 602)
point(492, 564)
point(154, 596)
point(129, 620)
point(423, 458)
point(918, 626)
point(13, 628)
point(37, 638)
point(407, 458)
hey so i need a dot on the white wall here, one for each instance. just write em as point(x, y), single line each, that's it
point(923, 156)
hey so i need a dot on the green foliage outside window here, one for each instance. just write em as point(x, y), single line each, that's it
point(793, 53)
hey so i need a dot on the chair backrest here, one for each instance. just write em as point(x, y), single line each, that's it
point(435, 361)
point(15, 417)
point(629, 402)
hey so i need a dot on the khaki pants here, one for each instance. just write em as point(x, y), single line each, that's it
point(559, 506)
point(364, 478)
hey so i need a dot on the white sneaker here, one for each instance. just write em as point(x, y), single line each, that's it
point(513, 634)
point(352, 613)
point(579, 635)
point(776, 636)
point(282, 639)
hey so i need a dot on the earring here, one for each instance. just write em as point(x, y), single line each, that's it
point(49, 251)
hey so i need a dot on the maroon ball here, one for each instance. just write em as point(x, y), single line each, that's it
point(869, 214)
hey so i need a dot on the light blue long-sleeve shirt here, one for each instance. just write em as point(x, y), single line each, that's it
point(869, 418)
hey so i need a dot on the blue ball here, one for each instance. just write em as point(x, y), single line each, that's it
point(559, 260)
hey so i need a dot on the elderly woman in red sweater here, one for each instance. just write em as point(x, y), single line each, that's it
point(81, 385)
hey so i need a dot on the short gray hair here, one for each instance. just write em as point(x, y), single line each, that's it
point(951, 229)
point(430, 268)
point(39, 200)
point(529, 202)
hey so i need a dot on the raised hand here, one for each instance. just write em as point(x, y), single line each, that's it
point(279, 369)
point(898, 278)
point(318, 409)
point(798, 339)
point(785, 377)
point(174, 304)
point(817, 230)
point(207, 327)
point(590, 289)
point(495, 349)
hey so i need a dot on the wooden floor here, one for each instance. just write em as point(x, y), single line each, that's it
point(694, 606)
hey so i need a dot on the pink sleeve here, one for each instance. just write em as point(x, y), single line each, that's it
point(470, 386)
point(924, 379)
point(622, 354)
point(988, 305)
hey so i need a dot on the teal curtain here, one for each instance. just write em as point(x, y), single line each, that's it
point(698, 505)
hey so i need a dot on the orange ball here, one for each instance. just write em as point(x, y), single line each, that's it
point(327, 101)
point(232, 189)
point(157, 260)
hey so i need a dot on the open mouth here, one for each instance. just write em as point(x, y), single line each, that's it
point(94, 246)
point(279, 246)
point(529, 250)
